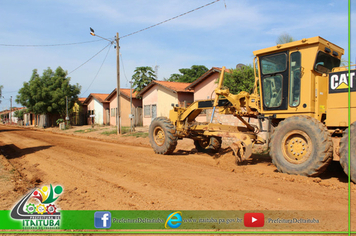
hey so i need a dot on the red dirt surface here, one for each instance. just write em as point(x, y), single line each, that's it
point(108, 174)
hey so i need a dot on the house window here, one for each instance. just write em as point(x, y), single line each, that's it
point(90, 112)
point(147, 110)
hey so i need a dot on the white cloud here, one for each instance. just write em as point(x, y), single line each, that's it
point(211, 36)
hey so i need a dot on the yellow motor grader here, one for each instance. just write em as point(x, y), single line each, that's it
point(300, 93)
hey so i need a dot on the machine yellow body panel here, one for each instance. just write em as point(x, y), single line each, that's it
point(300, 91)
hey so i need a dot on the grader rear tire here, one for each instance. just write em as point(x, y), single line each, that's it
point(301, 145)
point(344, 155)
point(162, 134)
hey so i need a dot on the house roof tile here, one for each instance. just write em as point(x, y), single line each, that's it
point(98, 96)
point(173, 86)
point(123, 91)
point(13, 109)
point(82, 100)
point(204, 76)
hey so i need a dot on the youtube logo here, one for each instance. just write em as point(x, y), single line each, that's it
point(254, 220)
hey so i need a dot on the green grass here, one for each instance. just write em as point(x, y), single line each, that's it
point(138, 134)
point(107, 133)
point(85, 130)
point(124, 129)
point(79, 131)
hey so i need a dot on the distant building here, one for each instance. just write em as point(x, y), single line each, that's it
point(125, 108)
point(8, 116)
point(158, 97)
point(97, 109)
point(79, 113)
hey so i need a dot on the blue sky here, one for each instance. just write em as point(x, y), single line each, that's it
point(212, 36)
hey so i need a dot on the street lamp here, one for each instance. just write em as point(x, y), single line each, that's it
point(118, 93)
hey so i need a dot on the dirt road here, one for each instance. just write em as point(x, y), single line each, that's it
point(102, 175)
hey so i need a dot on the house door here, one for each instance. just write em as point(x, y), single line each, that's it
point(107, 116)
point(154, 111)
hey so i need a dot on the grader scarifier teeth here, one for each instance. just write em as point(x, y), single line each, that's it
point(241, 145)
point(241, 150)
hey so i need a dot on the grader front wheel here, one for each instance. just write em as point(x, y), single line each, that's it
point(162, 134)
point(301, 145)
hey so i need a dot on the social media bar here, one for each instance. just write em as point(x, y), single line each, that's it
point(206, 220)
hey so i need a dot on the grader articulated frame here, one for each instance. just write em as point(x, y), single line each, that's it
point(209, 135)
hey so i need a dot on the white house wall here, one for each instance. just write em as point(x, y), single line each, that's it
point(99, 112)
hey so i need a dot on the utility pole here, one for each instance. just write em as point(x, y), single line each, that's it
point(10, 110)
point(131, 115)
point(67, 118)
point(118, 93)
point(118, 114)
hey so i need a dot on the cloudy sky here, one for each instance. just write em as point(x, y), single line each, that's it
point(222, 34)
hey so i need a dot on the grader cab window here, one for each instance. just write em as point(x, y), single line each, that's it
point(295, 76)
point(274, 69)
point(324, 62)
point(272, 91)
point(274, 64)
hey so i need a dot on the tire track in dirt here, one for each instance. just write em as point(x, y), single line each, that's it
point(100, 175)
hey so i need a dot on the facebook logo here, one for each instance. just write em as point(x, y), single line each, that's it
point(102, 219)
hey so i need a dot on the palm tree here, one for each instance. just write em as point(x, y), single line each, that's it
point(142, 77)
point(284, 38)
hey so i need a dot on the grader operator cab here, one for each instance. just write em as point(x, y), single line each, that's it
point(300, 93)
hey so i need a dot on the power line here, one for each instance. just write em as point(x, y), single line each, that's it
point(165, 21)
point(90, 58)
point(162, 22)
point(99, 67)
point(133, 33)
point(123, 67)
point(92, 41)
point(47, 45)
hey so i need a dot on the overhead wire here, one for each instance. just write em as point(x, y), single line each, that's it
point(92, 41)
point(111, 42)
point(165, 21)
point(99, 67)
point(136, 32)
point(47, 45)
point(91, 58)
point(123, 68)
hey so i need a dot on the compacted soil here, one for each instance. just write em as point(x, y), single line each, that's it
point(123, 173)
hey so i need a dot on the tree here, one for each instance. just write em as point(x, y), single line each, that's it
point(241, 79)
point(19, 113)
point(46, 94)
point(142, 77)
point(1, 87)
point(188, 75)
point(284, 38)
